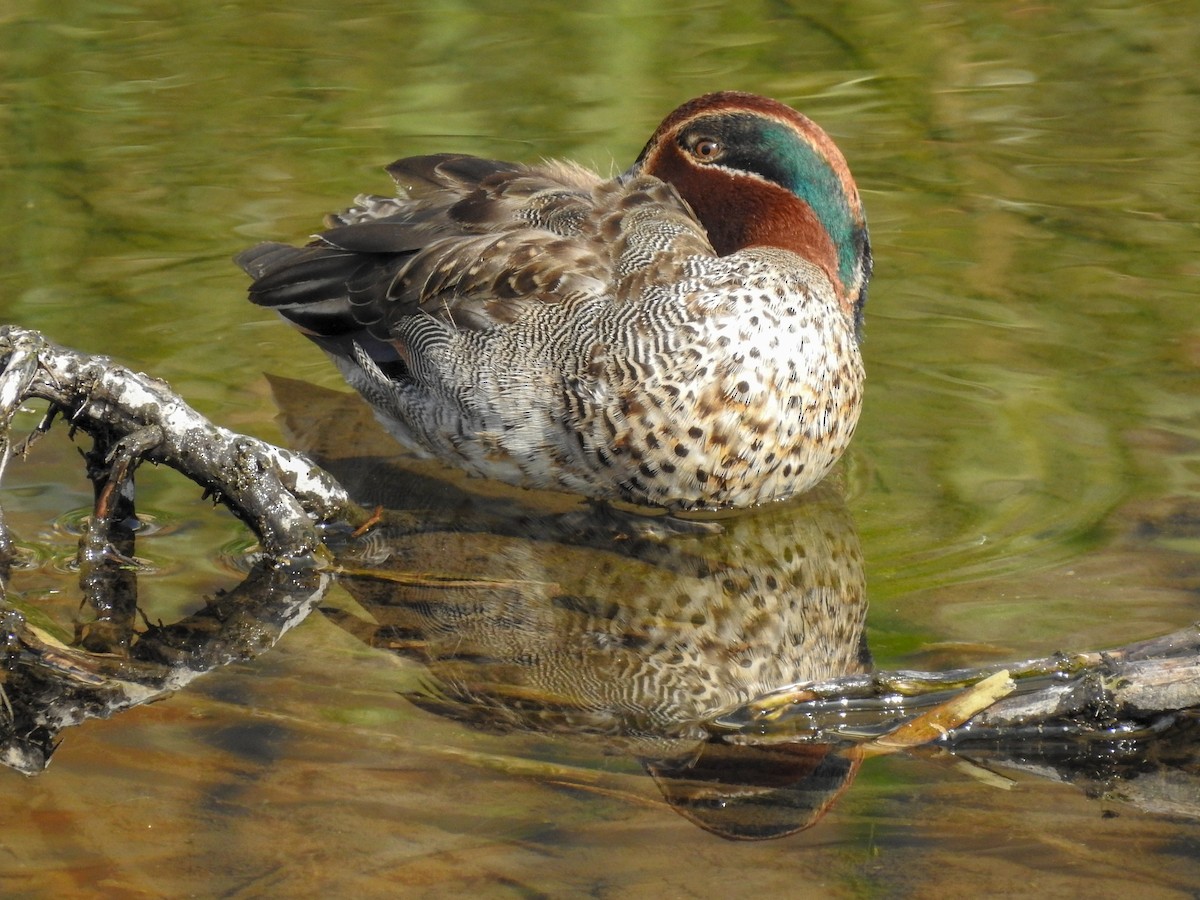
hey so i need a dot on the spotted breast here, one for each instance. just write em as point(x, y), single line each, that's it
point(684, 335)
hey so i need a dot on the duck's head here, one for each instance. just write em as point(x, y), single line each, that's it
point(759, 174)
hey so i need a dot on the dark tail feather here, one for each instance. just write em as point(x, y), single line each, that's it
point(305, 285)
point(326, 292)
point(295, 276)
point(261, 258)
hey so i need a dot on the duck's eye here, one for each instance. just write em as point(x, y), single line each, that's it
point(706, 149)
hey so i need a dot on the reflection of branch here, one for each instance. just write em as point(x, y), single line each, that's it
point(48, 686)
point(140, 418)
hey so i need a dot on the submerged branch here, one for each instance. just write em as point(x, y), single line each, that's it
point(1120, 693)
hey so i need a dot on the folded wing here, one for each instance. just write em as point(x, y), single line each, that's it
point(473, 242)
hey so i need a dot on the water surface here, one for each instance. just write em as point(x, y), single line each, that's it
point(1024, 479)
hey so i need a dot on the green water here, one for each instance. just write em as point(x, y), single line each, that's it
point(1026, 476)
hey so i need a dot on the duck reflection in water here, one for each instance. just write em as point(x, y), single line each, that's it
point(567, 621)
point(530, 612)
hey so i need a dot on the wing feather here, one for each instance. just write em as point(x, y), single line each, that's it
point(475, 242)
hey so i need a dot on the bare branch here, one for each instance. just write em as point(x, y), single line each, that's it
point(281, 495)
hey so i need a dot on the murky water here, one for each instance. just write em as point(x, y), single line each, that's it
point(1026, 476)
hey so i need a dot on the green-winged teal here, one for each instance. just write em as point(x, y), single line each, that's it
point(684, 335)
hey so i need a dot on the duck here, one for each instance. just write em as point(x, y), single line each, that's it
point(682, 336)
